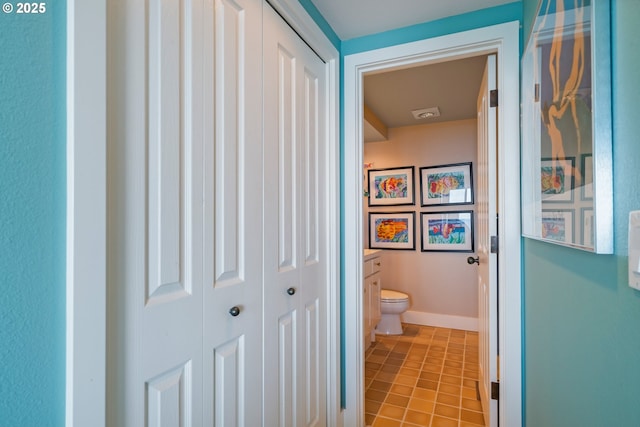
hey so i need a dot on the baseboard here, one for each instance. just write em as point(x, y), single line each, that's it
point(440, 320)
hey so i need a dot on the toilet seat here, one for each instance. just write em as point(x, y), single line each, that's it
point(389, 296)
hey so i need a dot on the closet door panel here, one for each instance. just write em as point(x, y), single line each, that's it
point(232, 199)
point(281, 254)
point(313, 271)
point(294, 257)
point(154, 172)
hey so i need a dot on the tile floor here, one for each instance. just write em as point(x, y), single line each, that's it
point(426, 377)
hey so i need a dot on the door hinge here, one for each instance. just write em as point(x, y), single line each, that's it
point(493, 98)
point(494, 244)
point(495, 390)
point(536, 92)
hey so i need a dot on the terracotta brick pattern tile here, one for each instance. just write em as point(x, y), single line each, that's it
point(426, 377)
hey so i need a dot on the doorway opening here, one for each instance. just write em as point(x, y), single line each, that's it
point(502, 40)
point(431, 370)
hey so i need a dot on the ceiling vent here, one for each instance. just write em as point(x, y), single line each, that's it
point(426, 113)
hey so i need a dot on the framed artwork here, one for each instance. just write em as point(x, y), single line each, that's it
point(391, 187)
point(556, 179)
point(447, 231)
point(392, 230)
point(566, 144)
point(446, 185)
point(557, 225)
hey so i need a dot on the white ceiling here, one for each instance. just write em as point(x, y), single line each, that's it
point(451, 86)
point(357, 18)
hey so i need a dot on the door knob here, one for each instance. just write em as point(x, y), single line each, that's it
point(234, 311)
point(472, 260)
point(291, 291)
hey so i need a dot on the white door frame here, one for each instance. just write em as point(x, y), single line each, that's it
point(501, 39)
point(87, 211)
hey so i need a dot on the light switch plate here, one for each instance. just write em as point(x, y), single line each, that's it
point(634, 249)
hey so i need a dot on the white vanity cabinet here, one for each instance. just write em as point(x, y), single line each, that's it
point(371, 293)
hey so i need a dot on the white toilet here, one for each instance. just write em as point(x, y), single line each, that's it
point(392, 305)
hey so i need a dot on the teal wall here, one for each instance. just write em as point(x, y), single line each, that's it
point(32, 218)
point(581, 320)
point(581, 332)
point(321, 22)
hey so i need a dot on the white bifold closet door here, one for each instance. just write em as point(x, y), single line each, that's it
point(295, 252)
point(215, 216)
point(185, 213)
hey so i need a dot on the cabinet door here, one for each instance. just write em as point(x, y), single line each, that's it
point(374, 300)
point(366, 304)
point(295, 252)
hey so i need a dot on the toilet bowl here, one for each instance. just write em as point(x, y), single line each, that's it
point(392, 305)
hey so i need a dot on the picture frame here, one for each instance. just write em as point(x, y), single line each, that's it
point(392, 230)
point(446, 185)
point(391, 187)
point(450, 231)
point(557, 179)
point(558, 225)
point(566, 114)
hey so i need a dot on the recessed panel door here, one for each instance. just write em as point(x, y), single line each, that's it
point(295, 253)
point(155, 222)
point(232, 296)
point(185, 221)
point(487, 227)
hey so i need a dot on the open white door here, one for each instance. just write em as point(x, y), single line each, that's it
point(487, 227)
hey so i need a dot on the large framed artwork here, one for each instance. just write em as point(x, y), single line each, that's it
point(566, 125)
point(392, 230)
point(391, 187)
point(447, 231)
point(446, 185)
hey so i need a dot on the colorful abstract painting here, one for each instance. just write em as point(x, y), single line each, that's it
point(557, 179)
point(554, 229)
point(441, 184)
point(446, 185)
point(552, 182)
point(390, 186)
point(557, 225)
point(392, 230)
point(447, 231)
